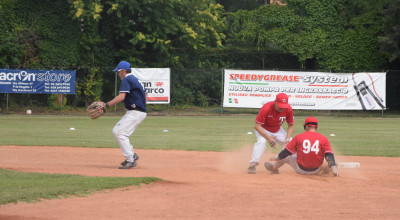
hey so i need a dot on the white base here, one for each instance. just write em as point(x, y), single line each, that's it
point(349, 165)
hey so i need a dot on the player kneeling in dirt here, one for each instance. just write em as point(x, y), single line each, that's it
point(306, 152)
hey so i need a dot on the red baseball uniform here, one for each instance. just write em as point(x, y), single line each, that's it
point(311, 148)
point(271, 120)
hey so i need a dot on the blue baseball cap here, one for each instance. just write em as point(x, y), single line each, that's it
point(123, 65)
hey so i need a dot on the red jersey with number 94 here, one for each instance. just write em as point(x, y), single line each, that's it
point(310, 147)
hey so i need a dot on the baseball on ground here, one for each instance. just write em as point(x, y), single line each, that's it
point(29, 112)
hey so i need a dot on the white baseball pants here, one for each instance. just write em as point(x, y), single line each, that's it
point(124, 128)
point(292, 161)
point(261, 145)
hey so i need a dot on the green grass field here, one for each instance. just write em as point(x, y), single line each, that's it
point(353, 135)
point(30, 187)
point(363, 136)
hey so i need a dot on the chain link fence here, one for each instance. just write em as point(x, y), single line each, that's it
point(189, 87)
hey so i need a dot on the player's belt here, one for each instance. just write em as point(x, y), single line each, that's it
point(136, 109)
point(307, 169)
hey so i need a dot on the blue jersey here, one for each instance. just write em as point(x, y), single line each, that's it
point(135, 98)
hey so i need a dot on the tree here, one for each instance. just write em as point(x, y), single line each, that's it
point(233, 6)
point(10, 50)
point(157, 32)
point(317, 30)
point(390, 41)
point(278, 28)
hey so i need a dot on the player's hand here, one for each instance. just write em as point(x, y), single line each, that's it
point(286, 142)
point(272, 142)
point(334, 171)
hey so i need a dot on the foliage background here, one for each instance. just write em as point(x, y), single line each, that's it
point(197, 40)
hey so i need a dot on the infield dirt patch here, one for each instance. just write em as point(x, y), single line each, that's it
point(206, 185)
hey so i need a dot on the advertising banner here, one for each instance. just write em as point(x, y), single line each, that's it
point(306, 90)
point(157, 83)
point(37, 81)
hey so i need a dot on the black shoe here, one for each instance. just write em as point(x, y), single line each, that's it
point(128, 165)
point(135, 157)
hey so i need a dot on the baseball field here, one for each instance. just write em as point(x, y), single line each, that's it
point(190, 167)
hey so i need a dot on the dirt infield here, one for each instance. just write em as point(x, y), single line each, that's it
point(207, 185)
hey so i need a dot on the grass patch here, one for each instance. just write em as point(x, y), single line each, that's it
point(366, 136)
point(203, 133)
point(31, 187)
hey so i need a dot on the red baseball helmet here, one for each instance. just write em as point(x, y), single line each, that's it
point(311, 122)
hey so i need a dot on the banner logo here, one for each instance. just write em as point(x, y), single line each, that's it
point(306, 90)
point(156, 82)
point(37, 81)
point(282, 119)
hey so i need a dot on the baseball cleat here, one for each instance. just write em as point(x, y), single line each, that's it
point(128, 165)
point(135, 157)
point(251, 170)
point(271, 167)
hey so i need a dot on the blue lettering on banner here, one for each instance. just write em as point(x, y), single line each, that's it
point(37, 81)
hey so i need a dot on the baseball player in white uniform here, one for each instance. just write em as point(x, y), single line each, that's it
point(133, 94)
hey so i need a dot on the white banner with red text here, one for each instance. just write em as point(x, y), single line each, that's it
point(306, 90)
point(157, 83)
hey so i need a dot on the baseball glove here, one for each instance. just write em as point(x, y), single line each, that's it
point(96, 109)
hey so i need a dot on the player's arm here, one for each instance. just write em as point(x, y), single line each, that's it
point(287, 151)
point(146, 94)
point(330, 158)
point(119, 98)
point(289, 133)
point(260, 130)
point(290, 123)
point(282, 155)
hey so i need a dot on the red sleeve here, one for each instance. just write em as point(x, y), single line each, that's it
point(327, 146)
point(290, 116)
point(262, 115)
